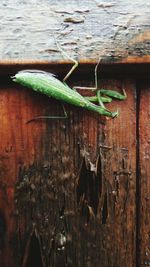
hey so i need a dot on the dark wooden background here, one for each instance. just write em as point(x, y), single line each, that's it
point(75, 192)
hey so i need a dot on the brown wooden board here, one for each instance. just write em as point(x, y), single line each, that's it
point(67, 191)
point(144, 174)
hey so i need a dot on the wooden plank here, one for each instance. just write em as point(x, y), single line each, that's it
point(67, 186)
point(85, 29)
point(17, 149)
point(144, 174)
point(118, 153)
point(127, 67)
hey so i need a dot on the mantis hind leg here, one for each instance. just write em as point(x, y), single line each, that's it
point(67, 56)
point(95, 88)
point(50, 117)
point(100, 100)
point(75, 66)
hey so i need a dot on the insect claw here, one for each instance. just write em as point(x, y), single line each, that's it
point(115, 114)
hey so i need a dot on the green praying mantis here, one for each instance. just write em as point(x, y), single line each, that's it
point(46, 83)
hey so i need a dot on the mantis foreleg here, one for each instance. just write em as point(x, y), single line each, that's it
point(114, 94)
point(105, 99)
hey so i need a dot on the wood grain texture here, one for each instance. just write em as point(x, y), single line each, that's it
point(118, 153)
point(144, 174)
point(85, 29)
point(67, 186)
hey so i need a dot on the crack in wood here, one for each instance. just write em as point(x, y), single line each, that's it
point(3, 230)
point(33, 255)
point(88, 190)
point(105, 210)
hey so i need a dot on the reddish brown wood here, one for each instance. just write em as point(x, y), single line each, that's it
point(19, 144)
point(118, 156)
point(67, 186)
point(144, 174)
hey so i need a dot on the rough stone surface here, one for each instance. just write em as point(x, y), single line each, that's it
point(85, 29)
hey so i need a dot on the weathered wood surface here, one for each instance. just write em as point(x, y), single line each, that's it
point(143, 200)
point(85, 29)
point(74, 181)
point(67, 191)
